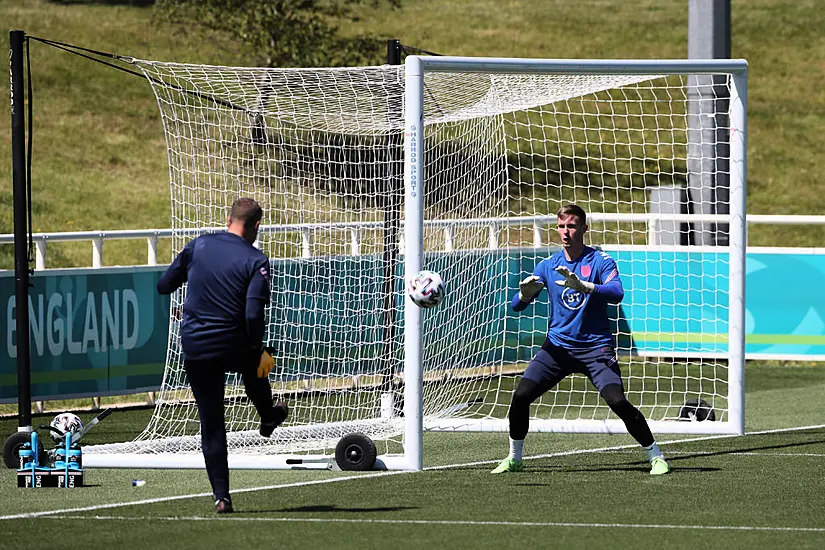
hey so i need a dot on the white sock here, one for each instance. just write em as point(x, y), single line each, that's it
point(653, 451)
point(516, 448)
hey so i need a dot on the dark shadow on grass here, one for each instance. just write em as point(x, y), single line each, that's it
point(675, 459)
point(636, 466)
point(333, 508)
point(642, 470)
point(748, 449)
point(642, 466)
point(137, 3)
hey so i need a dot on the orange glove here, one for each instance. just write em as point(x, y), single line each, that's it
point(266, 364)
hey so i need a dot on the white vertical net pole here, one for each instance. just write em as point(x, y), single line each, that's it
point(738, 247)
point(414, 241)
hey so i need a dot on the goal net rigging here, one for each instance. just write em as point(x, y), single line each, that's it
point(501, 148)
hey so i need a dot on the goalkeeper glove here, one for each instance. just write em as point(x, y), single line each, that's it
point(571, 280)
point(529, 288)
point(266, 363)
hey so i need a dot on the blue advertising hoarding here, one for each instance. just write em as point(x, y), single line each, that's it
point(104, 331)
point(677, 302)
point(92, 332)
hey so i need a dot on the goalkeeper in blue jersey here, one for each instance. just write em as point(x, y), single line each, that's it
point(581, 281)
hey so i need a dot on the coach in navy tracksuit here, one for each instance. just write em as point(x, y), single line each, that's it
point(223, 330)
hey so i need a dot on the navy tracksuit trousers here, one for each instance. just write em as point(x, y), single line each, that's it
point(207, 379)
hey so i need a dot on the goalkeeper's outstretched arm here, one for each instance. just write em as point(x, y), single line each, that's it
point(517, 304)
point(611, 291)
point(529, 288)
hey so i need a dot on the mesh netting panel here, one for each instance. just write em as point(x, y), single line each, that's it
point(322, 151)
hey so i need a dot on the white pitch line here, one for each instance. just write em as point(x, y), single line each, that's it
point(46, 513)
point(474, 523)
point(625, 447)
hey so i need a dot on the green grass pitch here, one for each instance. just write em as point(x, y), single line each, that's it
point(761, 490)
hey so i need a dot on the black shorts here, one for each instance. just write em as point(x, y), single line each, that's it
point(553, 363)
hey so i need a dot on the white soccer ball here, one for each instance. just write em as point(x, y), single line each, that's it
point(426, 289)
point(65, 422)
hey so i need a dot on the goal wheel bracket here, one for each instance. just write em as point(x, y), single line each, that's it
point(355, 452)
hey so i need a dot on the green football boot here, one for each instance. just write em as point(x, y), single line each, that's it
point(508, 465)
point(659, 467)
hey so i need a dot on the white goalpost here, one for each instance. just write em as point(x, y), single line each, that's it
point(590, 106)
point(456, 165)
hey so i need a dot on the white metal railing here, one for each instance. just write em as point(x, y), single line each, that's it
point(355, 231)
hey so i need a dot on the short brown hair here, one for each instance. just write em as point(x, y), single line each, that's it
point(573, 210)
point(247, 211)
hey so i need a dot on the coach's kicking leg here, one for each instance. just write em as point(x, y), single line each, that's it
point(260, 393)
point(636, 425)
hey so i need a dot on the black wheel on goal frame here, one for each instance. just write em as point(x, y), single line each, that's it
point(12, 446)
point(355, 452)
point(698, 410)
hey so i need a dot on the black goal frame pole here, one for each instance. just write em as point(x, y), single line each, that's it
point(392, 224)
point(21, 259)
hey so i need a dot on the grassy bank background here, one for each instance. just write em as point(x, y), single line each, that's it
point(99, 158)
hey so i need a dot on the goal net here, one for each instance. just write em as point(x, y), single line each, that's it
point(492, 151)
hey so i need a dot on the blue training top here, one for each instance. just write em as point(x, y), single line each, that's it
point(579, 320)
point(223, 315)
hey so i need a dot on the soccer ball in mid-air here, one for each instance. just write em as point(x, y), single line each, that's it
point(426, 289)
point(65, 422)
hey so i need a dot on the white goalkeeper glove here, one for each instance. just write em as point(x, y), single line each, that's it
point(529, 288)
point(571, 280)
